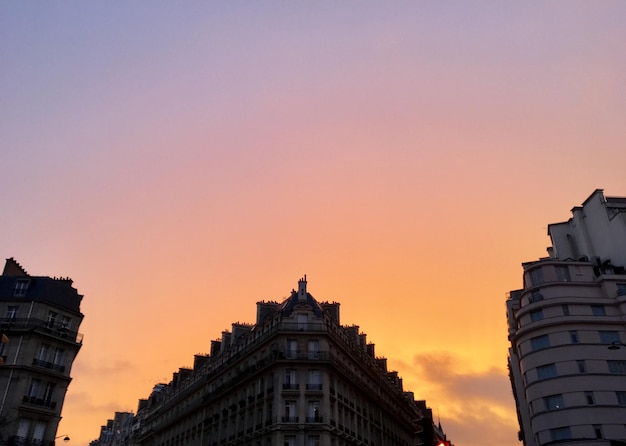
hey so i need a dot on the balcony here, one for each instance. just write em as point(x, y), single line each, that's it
point(316, 419)
point(23, 441)
point(49, 365)
point(290, 419)
point(291, 386)
point(304, 354)
point(18, 326)
point(314, 387)
point(39, 402)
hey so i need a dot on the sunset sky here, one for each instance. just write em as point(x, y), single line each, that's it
point(183, 160)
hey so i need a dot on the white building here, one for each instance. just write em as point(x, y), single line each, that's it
point(567, 328)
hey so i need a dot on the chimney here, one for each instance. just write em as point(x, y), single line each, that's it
point(302, 289)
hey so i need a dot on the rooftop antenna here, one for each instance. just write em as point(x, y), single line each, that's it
point(438, 419)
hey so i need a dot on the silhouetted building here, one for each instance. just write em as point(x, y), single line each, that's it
point(40, 318)
point(294, 378)
point(567, 359)
point(117, 431)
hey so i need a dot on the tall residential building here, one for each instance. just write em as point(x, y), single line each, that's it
point(567, 328)
point(40, 317)
point(116, 432)
point(296, 377)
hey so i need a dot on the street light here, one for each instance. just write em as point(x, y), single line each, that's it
point(616, 345)
point(66, 438)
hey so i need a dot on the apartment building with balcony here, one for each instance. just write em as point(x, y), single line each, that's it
point(296, 377)
point(40, 316)
point(567, 328)
point(117, 431)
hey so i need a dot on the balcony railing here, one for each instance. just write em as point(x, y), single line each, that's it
point(49, 365)
point(39, 402)
point(23, 441)
point(17, 326)
point(313, 387)
point(303, 354)
point(291, 386)
point(290, 419)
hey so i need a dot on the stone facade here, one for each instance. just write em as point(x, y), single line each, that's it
point(296, 377)
point(40, 317)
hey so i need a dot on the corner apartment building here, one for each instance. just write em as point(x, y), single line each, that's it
point(296, 377)
point(116, 432)
point(40, 316)
point(567, 328)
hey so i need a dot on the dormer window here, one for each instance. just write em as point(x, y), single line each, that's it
point(21, 286)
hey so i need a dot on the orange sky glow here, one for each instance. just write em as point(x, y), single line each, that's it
point(183, 161)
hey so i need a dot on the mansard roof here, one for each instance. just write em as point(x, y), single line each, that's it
point(53, 290)
point(298, 300)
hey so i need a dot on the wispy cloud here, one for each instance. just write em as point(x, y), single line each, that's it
point(476, 405)
point(102, 367)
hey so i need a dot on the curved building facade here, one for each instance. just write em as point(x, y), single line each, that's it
point(567, 328)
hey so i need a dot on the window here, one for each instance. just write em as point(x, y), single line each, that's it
point(38, 431)
point(315, 380)
point(303, 321)
point(536, 276)
point(290, 412)
point(23, 427)
point(290, 440)
point(617, 367)
point(35, 388)
point(65, 322)
point(42, 355)
point(621, 289)
point(598, 431)
point(261, 386)
point(608, 337)
point(598, 310)
point(565, 308)
point(314, 412)
point(47, 396)
point(21, 286)
point(582, 368)
point(290, 379)
point(546, 371)
point(314, 349)
point(562, 274)
point(589, 397)
point(536, 315)
point(621, 398)
point(58, 356)
point(540, 342)
point(553, 402)
point(536, 296)
point(12, 312)
point(573, 336)
point(292, 348)
point(52, 317)
point(560, 433)
point(313, 440)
